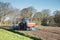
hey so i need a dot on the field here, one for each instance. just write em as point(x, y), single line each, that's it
point(42, 32)
point(45, 33)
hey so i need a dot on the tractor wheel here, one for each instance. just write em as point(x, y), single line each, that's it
point(33, 28)
point(27, 29)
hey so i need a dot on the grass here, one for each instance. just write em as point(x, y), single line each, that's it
point(6, 35)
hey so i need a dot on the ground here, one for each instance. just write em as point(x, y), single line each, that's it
point(42, 32)
point(45, 33)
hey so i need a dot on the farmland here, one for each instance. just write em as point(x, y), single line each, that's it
point(46, 33)
point(43, 32)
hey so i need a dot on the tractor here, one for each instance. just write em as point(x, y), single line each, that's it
point(25, 24)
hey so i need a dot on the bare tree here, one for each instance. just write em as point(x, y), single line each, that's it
point(46, 15)
point(4, 7)
point(8, 12)
point(28, 12)
point(57, 17)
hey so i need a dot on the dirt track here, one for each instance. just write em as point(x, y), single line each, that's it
point(46, 33)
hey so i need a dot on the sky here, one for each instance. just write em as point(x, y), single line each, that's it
point(37, 4)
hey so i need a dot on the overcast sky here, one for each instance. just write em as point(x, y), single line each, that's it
point(37, 4)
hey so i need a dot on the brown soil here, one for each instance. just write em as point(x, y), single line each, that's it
point(46, 33)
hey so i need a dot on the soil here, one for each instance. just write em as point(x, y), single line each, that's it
point(45, 33)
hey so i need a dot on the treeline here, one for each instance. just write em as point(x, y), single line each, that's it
point(8, 15)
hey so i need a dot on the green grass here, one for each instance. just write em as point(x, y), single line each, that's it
point(6, 35)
